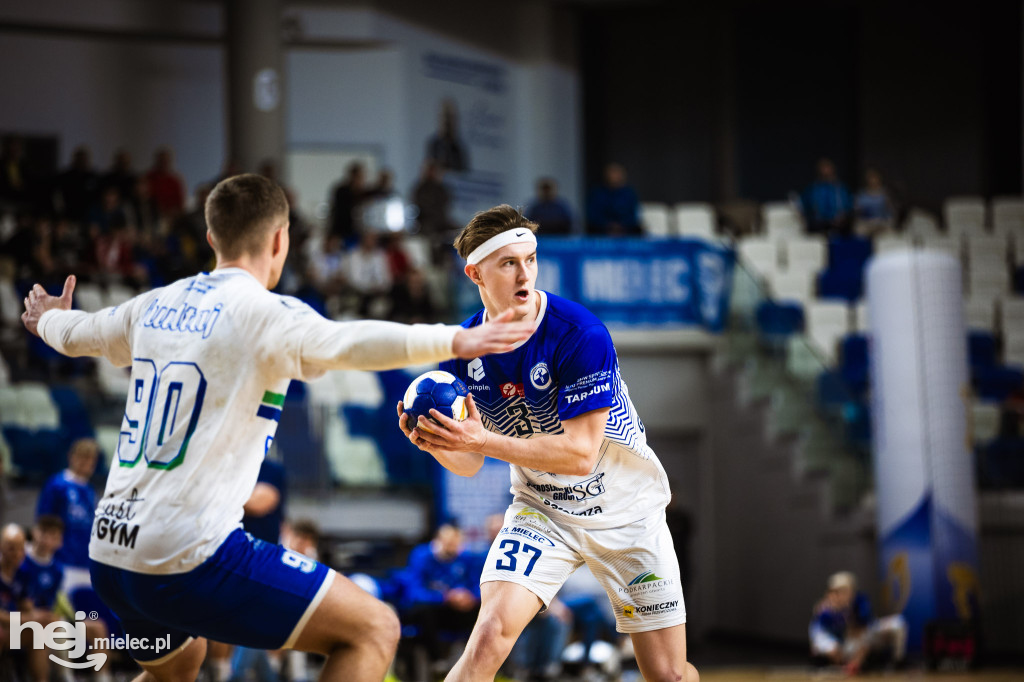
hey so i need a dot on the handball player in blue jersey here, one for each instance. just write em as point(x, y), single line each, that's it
point(586, 486)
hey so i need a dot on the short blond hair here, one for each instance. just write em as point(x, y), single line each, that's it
point(486, 224)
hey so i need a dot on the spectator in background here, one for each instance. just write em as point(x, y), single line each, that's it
point(613, 209)
point(445, 148)
point(108, 214)
point(844, 632)
point(14, 597)
point(124, 179)
point(441, 587)
point(302, 536)
point(188, 234)
point(366, 271)
point(69, 497)
point(15, 184)
point(165, 184)
point(78, 186)
point(346, 200)
point(550, 211)
point(826, 203)
point(327, 267)
point(873, 206)
point(411, 302)
point(433, 200)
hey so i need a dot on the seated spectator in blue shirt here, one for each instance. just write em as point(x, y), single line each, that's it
point(612, 207)
point(14, 598)
point(441, 589)
point(827, 204)
point(873, 206)
point(843, 631)
point(44, 573)
point(549, 210)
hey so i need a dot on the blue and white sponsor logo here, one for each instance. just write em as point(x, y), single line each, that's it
point(540, 376)
point(476, 369)
point(582, 395)
point(528, 534)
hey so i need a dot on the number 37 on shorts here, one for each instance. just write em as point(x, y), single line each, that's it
point(517, 556)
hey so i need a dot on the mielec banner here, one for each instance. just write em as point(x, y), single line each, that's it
point(924, 474)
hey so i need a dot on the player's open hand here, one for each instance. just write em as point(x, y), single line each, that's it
point(494, 336)
point(38, 302)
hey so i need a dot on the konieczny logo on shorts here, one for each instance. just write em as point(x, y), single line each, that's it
point(646, 583)
point(540, 377)
point(631, 611)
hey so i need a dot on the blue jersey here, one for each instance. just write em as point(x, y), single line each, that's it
point(566, 369)
point(427, 579)
point(42, 581)
point(14, 591)
point(268, 527)
point(74, 502)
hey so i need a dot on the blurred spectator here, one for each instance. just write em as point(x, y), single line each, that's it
point(826, 203)
point(68, 248)
point(117, 255)
point(302, 536)
point(366, 271)
point(346, 200)
point(873, 206)
point(433, 199)
point(43, 572)
point(122, 177)
point(165, 185)
point(549, 210)
point(15, 184)
point(844, 632)
point(108, 214)
point(78, 186)
point(188, 237)
point(613, 208)
point(445, 147)
point(145, 213)
point(411, 302)
point(14, 597)
point(69, 496)
point(398, 259)
point(441, 589)
point(327, 266)
point(265, 509)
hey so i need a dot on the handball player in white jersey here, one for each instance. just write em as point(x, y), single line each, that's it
point(586, 487)
point(211, 357)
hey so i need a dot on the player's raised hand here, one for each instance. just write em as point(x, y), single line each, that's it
point(38, 302)
point(494, 336)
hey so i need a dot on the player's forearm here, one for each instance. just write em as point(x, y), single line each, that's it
point(375, 345)
point(459, 463)
point(557, 454)
point(72, 332)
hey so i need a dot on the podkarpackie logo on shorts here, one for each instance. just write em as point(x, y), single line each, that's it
point(646, 582)
point(70, 637)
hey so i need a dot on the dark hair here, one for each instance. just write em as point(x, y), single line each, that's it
point(242, 211)
point(50, 522)
point(486, 224)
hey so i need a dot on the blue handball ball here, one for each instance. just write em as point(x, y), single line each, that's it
point(438, 390)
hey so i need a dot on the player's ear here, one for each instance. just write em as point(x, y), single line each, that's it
point(209, 240)
point(473, 273)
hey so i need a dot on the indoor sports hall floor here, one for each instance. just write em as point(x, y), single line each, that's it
point(803, 675)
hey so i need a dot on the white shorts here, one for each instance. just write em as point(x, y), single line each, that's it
point(635, 564)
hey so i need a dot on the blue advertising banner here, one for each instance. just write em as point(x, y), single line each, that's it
point(633, 282)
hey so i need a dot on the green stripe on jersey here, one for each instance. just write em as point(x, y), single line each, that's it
point(273, 398)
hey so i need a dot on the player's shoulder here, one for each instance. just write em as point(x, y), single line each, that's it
point(473, 321)
point(565, 318)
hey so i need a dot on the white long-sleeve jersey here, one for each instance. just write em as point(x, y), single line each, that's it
point(211, 358)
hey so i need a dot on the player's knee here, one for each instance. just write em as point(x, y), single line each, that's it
point(670, 672)
point(491, 641)
point(382, 629)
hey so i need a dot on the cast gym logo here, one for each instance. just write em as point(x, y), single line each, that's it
point(540, 376)
point(630, 611)
point(646, 583)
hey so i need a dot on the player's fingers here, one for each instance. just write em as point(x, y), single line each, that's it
point(38, 290)
point(403, 423)
point(69, 287)
point(401, 408)
point(471, 412)
point(446, 422)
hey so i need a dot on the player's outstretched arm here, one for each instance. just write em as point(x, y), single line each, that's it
point(494, 336)
point(38, 302)
point(459, 463)
point(573, 452)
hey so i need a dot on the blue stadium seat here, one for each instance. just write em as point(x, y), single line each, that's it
point(995, 383)
point(832, 391)
point(1001, 463)
point(74, 418)
point(981, 348)
point(776, 322)
point(844, 276)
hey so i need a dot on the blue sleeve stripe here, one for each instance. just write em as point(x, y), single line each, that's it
point(268, 412)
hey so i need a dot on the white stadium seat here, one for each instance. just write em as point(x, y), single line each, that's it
point(964, 215)
point(1008, 214)
point(920, 224)
point(861, 321)
point(948, 245)
point(892, 243)
point(1011, 315)
point(695, 220)
point(655, 219)
point(89, 297)
point(806, 254)
point(792, 286)
point(760, 254)
point(827, 323)
point(117, 294)
point(980, 312)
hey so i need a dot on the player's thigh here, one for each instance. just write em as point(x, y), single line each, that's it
point(347, 615)
point(661, 654)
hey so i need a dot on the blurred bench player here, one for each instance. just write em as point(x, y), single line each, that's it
point(211, 358)
point(587, 488)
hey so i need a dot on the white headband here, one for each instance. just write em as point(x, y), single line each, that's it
point(516, 236)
